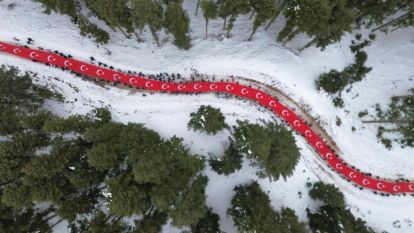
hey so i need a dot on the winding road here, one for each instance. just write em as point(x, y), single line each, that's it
point(319, 145)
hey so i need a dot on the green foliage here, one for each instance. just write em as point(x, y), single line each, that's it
point(333, 216)
point(326, 21)
point(191, 206)
point(207, 119)
point(271, 147)
point(100, 223)
point(265, 10)
point(207, 224)
point(328, 194)
point(209, 8)
point(148, 12)
point(72, 9)
point(252, 212)
point(231, 162)
point(401, 114)
point(151, 223)
point(177, 22)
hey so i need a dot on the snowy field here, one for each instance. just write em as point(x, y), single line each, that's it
point(262, 59)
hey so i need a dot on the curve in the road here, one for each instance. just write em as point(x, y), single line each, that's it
point(325, 152)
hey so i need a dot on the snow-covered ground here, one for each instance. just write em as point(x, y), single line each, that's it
point(262, 59)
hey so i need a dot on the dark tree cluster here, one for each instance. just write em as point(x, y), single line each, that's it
point(324, 21)
point(251, 211)
point(333, 216)
point(74, 165)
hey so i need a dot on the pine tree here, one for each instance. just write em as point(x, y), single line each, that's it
point(271, 147)
point(231, 162)
point(207, 119)
point(207, 224)
point(177, 22)
point(100, 223)
point(228, 10)
point(148, 12)
point(326, 21)
point(328, 194)
point(115, 13)
point(252, 212)
point(191, 206)
point(209, 8)
point(333, 216)
point(265, 10)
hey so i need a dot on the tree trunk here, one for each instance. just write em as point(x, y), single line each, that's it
point(123, 32)
point(271, 21)
point(206, 28)
point(390, 22)
point(251, 16)
point(198, 6)
point(403, 96)
point(251, 35)
point(387, 121)
point(307, 45)
point(154, 34)
point(225, 23)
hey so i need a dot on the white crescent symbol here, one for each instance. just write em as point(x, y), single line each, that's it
point(308, 133)
point(148, 84)
point(67, 63)
point(352, 175)
point(213, 86)
point(99, 72)
point(272, 103)
point(319, 144)
point(2, 46)
point(396, 188)
point(365, 182)
point(197, 86)
point(132, 80)
point(164, 86)
point(16, 50)
point(116, 77)
point(33, 55)
point(259, 95)
point(339, 166)
point(411, 187)
point(83, 68)
point(285, 113)
point(296, 123)
point(50, 58)
point(328, 155)
point(244, 91)
point(380, 185)
point(229, 87)
point(180, 86)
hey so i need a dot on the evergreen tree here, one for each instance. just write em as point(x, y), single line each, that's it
point(265, 10)
point(207, 119)
point(115, 13)
point(72, 9)
point(326, 21)
point(209, 8)
point(148, 12)
point(207, 224)
point(191, 206)
point(333, 216)
point(151, 223)
point(228, 10)
point(231, 162)
point(328, 194)
point(100, 223)
point(177, 22)
point(252, 212)
point(271, 147)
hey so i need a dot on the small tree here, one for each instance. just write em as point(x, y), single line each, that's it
point(178, 23)
point(328, 194)
point(231, 162)
point(209, 8)
point(207, 119)
point(271, 147)
point(207, 224)
point(252, 212)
